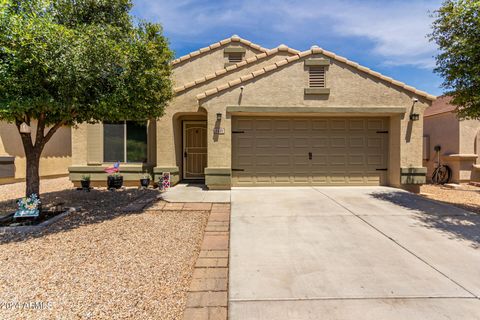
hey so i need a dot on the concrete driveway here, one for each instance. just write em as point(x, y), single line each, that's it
point(351, 253)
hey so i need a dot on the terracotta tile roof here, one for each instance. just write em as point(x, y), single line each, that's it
point(261, 56)
point(218, 44)
point(313, 50)
point(441, 105)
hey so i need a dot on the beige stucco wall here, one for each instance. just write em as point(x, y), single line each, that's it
point(457, 138)
point(56, 157)
point(349, 87)
point(283, 88)
point(442, 129)
point(206, 63)
point(469, 137)
point(169, 151)
point(79, 144)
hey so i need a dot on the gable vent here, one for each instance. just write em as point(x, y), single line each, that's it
point(317, 77)
point(235, 57)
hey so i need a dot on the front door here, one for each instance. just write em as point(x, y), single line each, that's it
point(194, 149)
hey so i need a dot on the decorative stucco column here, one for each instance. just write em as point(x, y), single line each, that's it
point(218, 174)
point(165, 157)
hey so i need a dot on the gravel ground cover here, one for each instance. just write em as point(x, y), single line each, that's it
point(466, 197)
point(100, 262)
point(17, 190)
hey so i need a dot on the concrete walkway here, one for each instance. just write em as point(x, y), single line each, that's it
point(351, 253)
point(192, 192)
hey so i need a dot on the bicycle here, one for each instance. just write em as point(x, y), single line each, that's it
point(442, 173)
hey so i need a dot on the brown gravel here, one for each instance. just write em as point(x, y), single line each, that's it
point(466, 197)
point(100, 263)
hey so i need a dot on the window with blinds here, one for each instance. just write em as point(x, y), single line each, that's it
point(316, 77)
point(235, 57)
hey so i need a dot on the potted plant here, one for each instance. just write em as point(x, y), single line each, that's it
point(145, 180)
point(115, 181)
point(85, 182)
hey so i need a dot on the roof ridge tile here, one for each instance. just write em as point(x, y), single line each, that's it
point(223, 71)
point(215, 45)
point(315, 50)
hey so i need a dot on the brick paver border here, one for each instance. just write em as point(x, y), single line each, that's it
point(207, 297)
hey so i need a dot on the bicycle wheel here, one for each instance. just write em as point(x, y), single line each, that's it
point(442, 174)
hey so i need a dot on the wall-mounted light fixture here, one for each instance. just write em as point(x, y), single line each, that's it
point(413, 115)
point(219, 116)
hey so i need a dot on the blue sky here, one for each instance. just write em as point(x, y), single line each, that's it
point(387, 36)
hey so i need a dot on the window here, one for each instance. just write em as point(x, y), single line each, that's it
point(316, 77)
point(235, 57)
point(125, 141)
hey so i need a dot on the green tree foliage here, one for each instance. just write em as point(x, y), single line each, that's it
point(456, 31)
point(64, 62)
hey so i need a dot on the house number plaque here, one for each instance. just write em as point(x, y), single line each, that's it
point(218, 130)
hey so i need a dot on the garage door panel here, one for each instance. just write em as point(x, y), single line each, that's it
point(244, 124)
point(245, 161)
point(301, 125)
point(338, 124)
point(356, 178)
point(244, 142)
point(281, 125)
point(373, 179)
point(356, 124)
point(282, 142)
point(376, 124)
point(356, 160)
point(337, 160)
point(301, 178)
point(263, 160)
point(375, 160)
point(263, 125)
point(275, 151)
point(320, 142)
point(357, 142)
point(374, 142)
point(338, 178)
point(338, 141)
point(319, 125)
point(282, 177)
point(282, 161)
point(318, 160)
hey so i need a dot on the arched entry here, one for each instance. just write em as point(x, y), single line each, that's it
point(194, 149)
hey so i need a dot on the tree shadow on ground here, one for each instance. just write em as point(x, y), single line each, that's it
point(456, 222)
point(92, 207)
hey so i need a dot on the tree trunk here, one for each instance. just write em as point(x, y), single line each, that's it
point(32, 174)
point(34, 151)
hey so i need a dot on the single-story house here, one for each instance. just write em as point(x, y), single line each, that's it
point(459, 142)
point(244, 115)
point(55, 160)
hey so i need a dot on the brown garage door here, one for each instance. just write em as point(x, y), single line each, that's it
point(309, 151)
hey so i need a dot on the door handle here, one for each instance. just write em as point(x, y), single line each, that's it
point(310, 156)
point(185, 154)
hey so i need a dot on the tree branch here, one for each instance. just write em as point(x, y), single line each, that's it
point(52, 131)
point(40, 130)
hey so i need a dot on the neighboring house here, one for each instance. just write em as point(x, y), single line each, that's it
point(55, 160)
point(459, 141)
point(244, 115)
